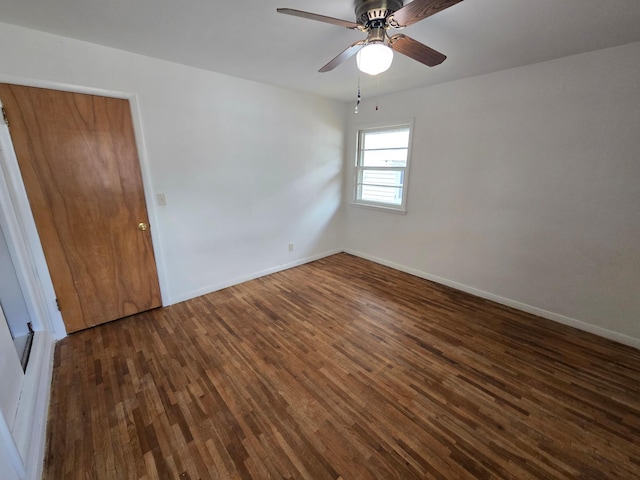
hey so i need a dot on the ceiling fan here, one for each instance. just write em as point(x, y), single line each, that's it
point(375, 17)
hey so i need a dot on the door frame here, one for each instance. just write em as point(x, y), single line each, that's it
point(48, 317)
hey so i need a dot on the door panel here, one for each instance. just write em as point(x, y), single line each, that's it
point(78, 159)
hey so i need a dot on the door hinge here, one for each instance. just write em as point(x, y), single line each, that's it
point(58, 305)
point(4, 117)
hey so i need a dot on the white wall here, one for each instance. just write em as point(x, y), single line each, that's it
point(524, 187)
point(246, 168)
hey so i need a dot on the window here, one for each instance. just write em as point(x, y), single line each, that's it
point(382, 167)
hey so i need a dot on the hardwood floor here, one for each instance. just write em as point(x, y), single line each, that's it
point(342, 369)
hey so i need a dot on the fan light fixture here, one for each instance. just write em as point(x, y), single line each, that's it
point(374, 58)
point(376, 18)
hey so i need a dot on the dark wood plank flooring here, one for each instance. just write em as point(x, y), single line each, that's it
point(342, 369)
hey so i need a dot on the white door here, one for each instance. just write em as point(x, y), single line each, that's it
point(11, 374)
point(12, 299)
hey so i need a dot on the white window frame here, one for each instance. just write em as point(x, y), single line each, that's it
point(359, 169)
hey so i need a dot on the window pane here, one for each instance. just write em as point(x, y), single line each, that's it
point(391, 178)
point(385, 158)
point(389, 195)
point(381, 166)
point(398, 138)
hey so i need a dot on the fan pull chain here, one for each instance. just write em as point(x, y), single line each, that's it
point(359, 97)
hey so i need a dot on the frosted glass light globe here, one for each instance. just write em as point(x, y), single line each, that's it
point(374, 58)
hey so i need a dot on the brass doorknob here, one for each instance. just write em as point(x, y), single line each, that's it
point(142, 226)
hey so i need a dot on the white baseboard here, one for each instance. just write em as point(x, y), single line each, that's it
point(556, 317)
point(213, 288)
point(30, 428)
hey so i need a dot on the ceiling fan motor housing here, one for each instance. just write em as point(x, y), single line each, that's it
point(368, 11)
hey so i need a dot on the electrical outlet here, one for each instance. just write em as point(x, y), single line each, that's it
point(291, 247)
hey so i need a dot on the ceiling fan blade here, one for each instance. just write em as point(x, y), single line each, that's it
point(416, 50)
point(417, 10)
point(320, 18)
point(346, 53)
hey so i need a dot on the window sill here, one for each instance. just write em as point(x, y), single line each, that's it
point(383, 208)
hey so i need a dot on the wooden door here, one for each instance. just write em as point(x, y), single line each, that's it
point(78, 159)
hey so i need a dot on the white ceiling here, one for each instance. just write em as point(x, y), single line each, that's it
point(248, 39)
